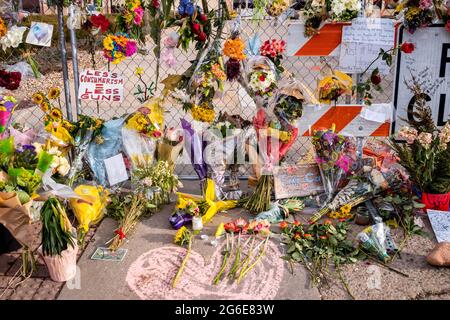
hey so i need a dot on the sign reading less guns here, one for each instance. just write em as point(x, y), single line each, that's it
point(101, 86)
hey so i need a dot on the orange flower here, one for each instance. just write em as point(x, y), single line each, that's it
point(234, 49)
point(297, 223)
point(327, 222)
point(307, 235)
point(283, 224)
point(323, 237)
point(297, 236)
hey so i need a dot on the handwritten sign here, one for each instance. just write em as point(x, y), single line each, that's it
point(361, 44)
point(297, 181)
point(101, 86)
point(440, 221)
point(429, 63)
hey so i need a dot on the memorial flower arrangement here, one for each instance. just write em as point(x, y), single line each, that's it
point(252, 239)
point(3, 28)
point(94, 26)
point(276, 7)
point(316, 246)
point(334, 163)
point(416, 13)
point(333, 86)
point(7, 106)
point(10, 80)
point(118, 47)
point(262, 82)
point(233, 48)
point(425, 155)
point(195, 25)
point(274, 49)
point(343, 10)
point(131, 19)
point(13, 37)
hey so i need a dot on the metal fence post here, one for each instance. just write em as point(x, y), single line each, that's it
point(73, 44)
point(65, 71)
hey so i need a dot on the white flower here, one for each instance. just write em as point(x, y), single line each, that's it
point(13, 37)
point(64, 166)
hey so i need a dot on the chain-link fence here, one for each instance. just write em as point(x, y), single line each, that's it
point(234, 100)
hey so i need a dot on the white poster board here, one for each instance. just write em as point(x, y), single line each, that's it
point(440, 221)
point(430, 64)
point(101, 86)
point(361, 44)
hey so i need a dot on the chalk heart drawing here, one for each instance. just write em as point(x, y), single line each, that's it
point(151, 275)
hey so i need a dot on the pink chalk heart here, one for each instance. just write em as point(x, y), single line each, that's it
point(151, 275)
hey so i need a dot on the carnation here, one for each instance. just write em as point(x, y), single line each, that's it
point(425, 139)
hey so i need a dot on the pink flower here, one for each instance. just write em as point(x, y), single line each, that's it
point(408, 134)
point(425, 4)
point(425, 139)
point(343, 162)
point(131, 48)
point(168, 57)
point(172, 40)
point(138, 15)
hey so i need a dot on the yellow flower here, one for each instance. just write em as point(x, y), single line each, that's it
point(38, 98)
point(108, 43)
point(179, 236)
point(346, 209)
point(234, 49)
point(67, 125)
point(54, 93)
point(218, 72)
point(203, 113)
point(118, 57)
point(3, 28)
point(44, 106)
point(98, 123)
point(139, 71)
point(56, 114)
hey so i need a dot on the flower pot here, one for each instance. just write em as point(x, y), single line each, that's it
point(63, 267)
point(436, 201)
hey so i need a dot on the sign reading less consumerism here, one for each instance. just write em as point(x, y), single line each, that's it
point(429, 63)
point(101, 86)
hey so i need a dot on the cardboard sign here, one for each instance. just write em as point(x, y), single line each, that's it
point(429, 63)
point(297, 181)
point(349, 120)
point(101, 86)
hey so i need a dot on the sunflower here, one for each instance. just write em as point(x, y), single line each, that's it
point(44, 105)
point(181, 235)
point(54, 93)
point(346, 209)
point(38, 98)
point(56, 114)
point(67, 125)
point(108, 43)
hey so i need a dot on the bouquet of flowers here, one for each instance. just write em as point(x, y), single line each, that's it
point(233, 48)
point(131, 19)
point(273, 143)
point(289, 101)
point(274, 49)
point(10, 80)
point(261, 77)
point(7, 106)
point(195, 25)
point(333, 163)
point(425, 155)
point(276, 7)
point(195, 146)
point(333, 86)
point(343, 10)
point(416, 13)
point(118, 47)
point(94, 26)
point(246, 254)
point(170, 147)
point(141, 131)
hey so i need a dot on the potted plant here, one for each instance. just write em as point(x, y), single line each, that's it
point(59, 248)
point(425, 153)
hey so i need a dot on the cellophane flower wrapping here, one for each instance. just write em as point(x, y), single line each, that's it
point(111, 146)
point(333, 163)
point(260, 78)
point(195, 145)
point(140, 149)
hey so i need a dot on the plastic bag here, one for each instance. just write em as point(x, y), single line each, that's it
point(112, 145)
point(376, 240)
point(288, 102)
point(88, 208)
point(22, 67)
point(140, 149)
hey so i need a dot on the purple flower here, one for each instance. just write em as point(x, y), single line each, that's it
point(8, 105)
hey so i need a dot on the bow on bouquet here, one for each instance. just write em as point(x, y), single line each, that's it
point(273, 144)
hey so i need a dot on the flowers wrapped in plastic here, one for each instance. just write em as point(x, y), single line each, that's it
point(333, 86)
point(89, 207)
point(260, 77)
point(7, 106)
point(334, 163)
point(111, 146)
point(273, 142)
point(170, 147)
point(289, 101)
point(141, 131)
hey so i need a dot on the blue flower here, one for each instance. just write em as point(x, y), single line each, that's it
point(181, 10)
point(190, 9)
point(184, 2)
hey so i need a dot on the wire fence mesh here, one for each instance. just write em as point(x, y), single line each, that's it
point(233, 101)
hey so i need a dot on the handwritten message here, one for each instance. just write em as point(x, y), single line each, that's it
point(297, 181)
point(101, 86)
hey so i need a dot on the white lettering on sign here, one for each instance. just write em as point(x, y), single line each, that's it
point(429, 63)
point(101, 86)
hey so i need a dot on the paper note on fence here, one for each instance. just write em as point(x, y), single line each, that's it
point(116, 170)
point(361, 44)
point(440, 221)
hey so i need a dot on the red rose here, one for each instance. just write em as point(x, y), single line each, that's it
point(157, 134)
point(203, 17)
point(297, 223)
point(262, 78)
point(375, 79)
point(201, 37)
point(407, 47)
point(155, 4)
point(100, 21)
point(196, 28)
point(297, 236)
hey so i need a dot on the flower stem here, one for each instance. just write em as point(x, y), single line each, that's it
point(261, 254)
point(237, 259)
point(183, 264)
point(225, 260)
